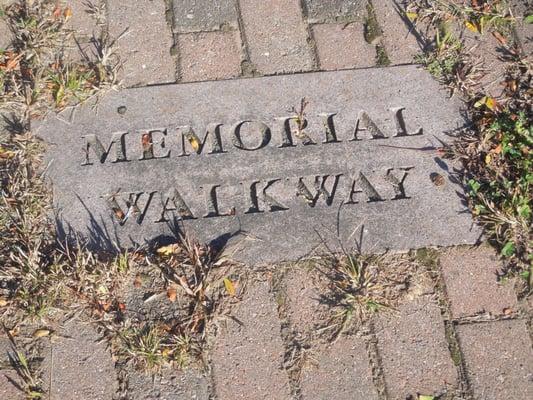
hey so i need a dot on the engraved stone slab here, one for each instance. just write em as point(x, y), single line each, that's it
point(237, 160)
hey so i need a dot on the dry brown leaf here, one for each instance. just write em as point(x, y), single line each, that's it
point(57, 12)
point(437, 179)
point(499, 37)
point(137, 282)
point(67, 13)
point(172, 294)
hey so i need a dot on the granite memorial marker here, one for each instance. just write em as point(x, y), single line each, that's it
point(278, 165)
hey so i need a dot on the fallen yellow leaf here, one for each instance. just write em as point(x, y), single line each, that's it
point(193, 140)
point(488, 159)
point(412, 16)
point(168, 250)
point(6, 154)
point(3, 302)
point(472, 27)
point(491, 103)
point(41, 333)
point(230, 287)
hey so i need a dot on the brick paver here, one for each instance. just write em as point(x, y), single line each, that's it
point(168, 384)
point(471, 282)
point(414, 351)
point(334, 10)
point(209, 55)
point(82, 22)
point(85, 27)
point(5, 33)
point(146, 42)
point(342, 46)
point(524, 31)
point(498, 358)
point(8, 385)
point(248, 355)
point(304, 306)
point(339, 372)
point(486, 51)
point(204, 15)
point(277, 36)
point(79, 365)
point(399, 38)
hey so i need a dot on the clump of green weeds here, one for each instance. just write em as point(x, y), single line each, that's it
point(199, 279)
point(478, 16)
point(36, 271)
point(154, 345)
point(361, 285)
point(35, 71)
point(444, 61)
point(496, 154)
point(500, 181)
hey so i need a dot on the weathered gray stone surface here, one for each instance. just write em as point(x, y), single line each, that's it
point(271, 201)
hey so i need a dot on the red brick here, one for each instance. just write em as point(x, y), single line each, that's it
point(400, 43)
point(145, 49)
point(342, 372)
point(83, 23)
point(471, 282)
point(414, 352)
point(305, 308)
point(277, 36)
point(524, 31)
point(342, 46)
point(498, 359)
point(248, 355)
point(485, 51)
point(79, 365)
point(209, 55)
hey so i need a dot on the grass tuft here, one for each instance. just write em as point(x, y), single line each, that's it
point(362, 285)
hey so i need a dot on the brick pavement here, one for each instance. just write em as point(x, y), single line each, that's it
point(472, 343)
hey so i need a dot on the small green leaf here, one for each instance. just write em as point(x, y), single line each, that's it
point(425, 397)
point(529, 19)
point(474, 185)
point(524, 211)
point(508, 250)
